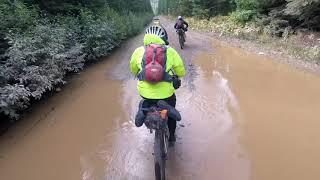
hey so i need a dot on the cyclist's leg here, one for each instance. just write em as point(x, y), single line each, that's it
point(172, 123)
point(140, 116)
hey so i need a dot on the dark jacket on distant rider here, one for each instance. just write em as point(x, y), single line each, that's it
point(181, 24)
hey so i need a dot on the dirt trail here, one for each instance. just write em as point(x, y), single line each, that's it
point(244, 117)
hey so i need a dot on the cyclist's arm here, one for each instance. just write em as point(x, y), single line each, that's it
point(177, 62)
point(175, 26)
point(186, 24)
point(135, 60)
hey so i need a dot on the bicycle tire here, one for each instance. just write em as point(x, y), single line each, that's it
point(159, 155)
point(181, 41)
point(157, 170)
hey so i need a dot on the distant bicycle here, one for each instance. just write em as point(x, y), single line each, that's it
point(181, 35)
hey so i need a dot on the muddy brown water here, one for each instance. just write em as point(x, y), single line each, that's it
point(244, 117)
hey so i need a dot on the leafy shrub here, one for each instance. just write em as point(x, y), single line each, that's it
point(246, 4)
point(243, 16)
point(12, 99)
point(262, 32)
point(98, 36)
point(314, 53)
point(114, 17)
point(43, 50)
point(298, 13)
point(16, 16)
point(200, 12)
point(40, 58)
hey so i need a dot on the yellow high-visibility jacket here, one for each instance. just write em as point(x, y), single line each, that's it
point(159, 90)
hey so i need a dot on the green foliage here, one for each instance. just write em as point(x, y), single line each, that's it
point(243, 16)
point(45, 46)
point(297, 13)
point(264, 6)
point(197, 8)
point(38, 60)
point(300, 46)
point(306, 11)
point(246, 4)
point(98, 36)
point(13, 98)
point(16, 16)
point(199, 12)
point(302, 7)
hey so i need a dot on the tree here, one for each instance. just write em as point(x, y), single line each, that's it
point(306, 11)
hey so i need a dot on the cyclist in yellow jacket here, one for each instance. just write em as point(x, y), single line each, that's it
point(151, 92)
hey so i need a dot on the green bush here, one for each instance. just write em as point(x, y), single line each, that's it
point(243, 16)
point(98, 36)
point(39, 59)
point(13, 98)
point(16, 16)
point(114, 17)
point(43, 49)
point(246, 4)
point(297, 13)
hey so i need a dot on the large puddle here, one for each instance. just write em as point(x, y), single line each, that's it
point(244, 117)
point(280, 113)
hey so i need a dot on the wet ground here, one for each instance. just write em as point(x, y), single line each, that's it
point(244, 117)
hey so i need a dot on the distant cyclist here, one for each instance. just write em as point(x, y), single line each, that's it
point(181, 24)
point(156, 21)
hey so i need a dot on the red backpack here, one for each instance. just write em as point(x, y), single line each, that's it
point(154, 64)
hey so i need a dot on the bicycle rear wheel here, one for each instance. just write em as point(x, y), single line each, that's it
point(181, 41)
point(159, 156)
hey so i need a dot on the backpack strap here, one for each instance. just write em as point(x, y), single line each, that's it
point(167, 77)
point(141, 74)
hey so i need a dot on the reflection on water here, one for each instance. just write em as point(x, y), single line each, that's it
point(279, 117)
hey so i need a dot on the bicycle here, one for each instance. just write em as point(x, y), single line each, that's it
point(156, 120)
point(181, 37)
